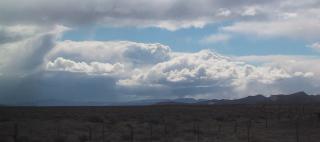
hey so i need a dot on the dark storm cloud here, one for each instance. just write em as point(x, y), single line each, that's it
point(141, 13)
point(167, 14)
point(5, 38)
point(57, 86)
point(27, 54)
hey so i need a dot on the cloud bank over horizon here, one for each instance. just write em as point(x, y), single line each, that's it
point(37, 63)
point(126, 70)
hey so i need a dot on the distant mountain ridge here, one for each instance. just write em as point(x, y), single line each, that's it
point(295, 98)
point(164, 101)
point(146, 102)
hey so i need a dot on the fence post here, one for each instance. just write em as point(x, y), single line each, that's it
point(266, 119)
point(151, 131)
point(235, 126)
point(131, 132)
point(103, 131)
point(249, 129)
point(90, 134)
point(297, 129)
point(15, 132)
point(196, 130)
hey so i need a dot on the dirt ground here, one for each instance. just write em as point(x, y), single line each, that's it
point(171, 123)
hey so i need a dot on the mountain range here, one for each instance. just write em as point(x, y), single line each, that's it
point(295, 98)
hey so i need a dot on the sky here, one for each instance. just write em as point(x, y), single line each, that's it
point(118, 51)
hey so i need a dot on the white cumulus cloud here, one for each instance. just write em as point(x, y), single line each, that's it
point(61, 64)
point(207, 69)
point(111, 51)
point(315, 46)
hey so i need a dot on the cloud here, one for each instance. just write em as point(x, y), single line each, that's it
point(26, 50)
point(58, 87)
point(150, 69)
point(289, 15)
point(289, 19)
point(17, 32)
point(290, 63)
point(307, 81)
point(249, 11)
point(125, 52)
point(36, 64)
point(315, 46)
point(296, 28)
point(61, 64)
point(215, 38)
point(207, 72)
point(167, 14)
point(224, 12)
point(163, 14)
point(124, 70)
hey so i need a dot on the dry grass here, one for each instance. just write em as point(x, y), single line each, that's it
point(228, 123)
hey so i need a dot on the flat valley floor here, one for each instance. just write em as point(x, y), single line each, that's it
point(165, 123)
